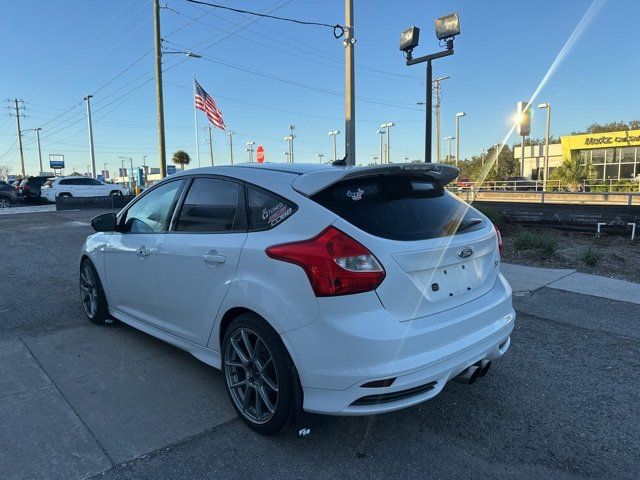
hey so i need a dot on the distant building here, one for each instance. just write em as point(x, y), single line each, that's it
point(614, 155)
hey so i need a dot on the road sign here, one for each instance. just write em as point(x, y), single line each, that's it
point(171, 169)
point(260, 154)
point(56, 161)
point(123, 172)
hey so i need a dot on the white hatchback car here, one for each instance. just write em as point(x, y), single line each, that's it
point(344, 291)
point(79, 186)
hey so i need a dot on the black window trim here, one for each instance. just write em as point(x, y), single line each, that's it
point(123, 213)
point(176, 207)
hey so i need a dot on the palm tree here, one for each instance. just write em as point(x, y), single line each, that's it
point(181, 158)
point(572, 173)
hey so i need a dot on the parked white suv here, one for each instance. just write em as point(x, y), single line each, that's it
point(348, 291)
point(79, 187)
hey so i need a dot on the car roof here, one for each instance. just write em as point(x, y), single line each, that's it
point(292, 168)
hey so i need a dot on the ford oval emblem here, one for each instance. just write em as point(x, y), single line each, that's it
point(465, 252)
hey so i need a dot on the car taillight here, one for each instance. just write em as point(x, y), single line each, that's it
point(499, 238)
point(335, 263)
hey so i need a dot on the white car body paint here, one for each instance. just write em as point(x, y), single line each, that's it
point(403, 329)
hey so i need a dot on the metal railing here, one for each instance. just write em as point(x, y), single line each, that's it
point(601, 186)
point(551, 197)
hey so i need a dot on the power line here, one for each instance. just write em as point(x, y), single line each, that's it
point(338, 30)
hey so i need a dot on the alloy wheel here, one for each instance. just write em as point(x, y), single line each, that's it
point(88, 291)
point(251, 375)
point(4, 203)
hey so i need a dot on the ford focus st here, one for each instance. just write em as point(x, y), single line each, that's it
point(343, 291)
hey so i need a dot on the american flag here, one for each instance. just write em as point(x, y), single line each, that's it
point(208, 105)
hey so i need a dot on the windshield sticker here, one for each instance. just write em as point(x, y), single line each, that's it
point(355, 196)
point(274, 215)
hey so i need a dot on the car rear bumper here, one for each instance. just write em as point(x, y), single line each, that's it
point(349, 346)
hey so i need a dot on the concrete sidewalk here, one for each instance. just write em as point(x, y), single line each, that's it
point(525, 279)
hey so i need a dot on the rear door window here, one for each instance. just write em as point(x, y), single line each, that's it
point(399, 208)
point(266, 209)
point(213, 205)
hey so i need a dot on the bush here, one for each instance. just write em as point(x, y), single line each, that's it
point(525, 240)
point(591, 257)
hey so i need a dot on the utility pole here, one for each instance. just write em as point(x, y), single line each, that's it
point(210, 143)
point(230, 135)
point(291, 129)
point(320, 155)
point(91, 152)
point(17, 105)
point(39, 150)
point(159, 99)
point(350, 99)
point(437, 90)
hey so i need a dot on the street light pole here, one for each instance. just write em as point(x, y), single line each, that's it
point(159, 96)
point(449, 138)
point(381, 133)
point(458, 115)
point(291, 129)
point(388, 126)
point(547, 106)
point(210, 143)
point(230, 135)
point(91, 152)
point(250, 150)
point(320, 155)
point(333, 133)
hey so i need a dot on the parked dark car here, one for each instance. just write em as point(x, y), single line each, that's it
point(8, 196)
point(29, 188)
point(521, 184)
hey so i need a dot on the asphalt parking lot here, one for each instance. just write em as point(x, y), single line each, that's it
point(78, 401)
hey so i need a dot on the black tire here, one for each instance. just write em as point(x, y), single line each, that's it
point(116, 193)
point(99, 316)
point(285, 405)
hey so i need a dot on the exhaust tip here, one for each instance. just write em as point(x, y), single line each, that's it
point(485, 365)
point(468, 376)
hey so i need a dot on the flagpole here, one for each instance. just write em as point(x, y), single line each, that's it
point(195, 120)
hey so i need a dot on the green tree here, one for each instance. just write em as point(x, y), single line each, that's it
point(181, 158)
point(610, 127)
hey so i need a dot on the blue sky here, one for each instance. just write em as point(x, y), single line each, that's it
point(55, 53)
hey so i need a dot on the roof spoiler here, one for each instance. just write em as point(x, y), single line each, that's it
point(313, 182)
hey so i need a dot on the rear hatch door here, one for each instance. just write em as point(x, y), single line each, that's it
point(438, 252)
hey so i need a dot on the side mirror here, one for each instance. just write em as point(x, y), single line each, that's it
point(105, 223)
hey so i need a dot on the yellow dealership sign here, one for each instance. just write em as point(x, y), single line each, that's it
point(571, 144)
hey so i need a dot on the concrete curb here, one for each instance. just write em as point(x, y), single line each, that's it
point(524, 278)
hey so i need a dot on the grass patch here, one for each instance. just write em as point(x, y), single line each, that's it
point(591, 257)
point(524, 240)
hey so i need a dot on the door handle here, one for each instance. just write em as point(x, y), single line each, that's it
point(214, 258)
point(143, 252)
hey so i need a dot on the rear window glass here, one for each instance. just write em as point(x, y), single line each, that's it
point(266, 209)
point(399, 208)
point(48, 183)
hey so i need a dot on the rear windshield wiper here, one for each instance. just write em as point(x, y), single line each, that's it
point(470, 222)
